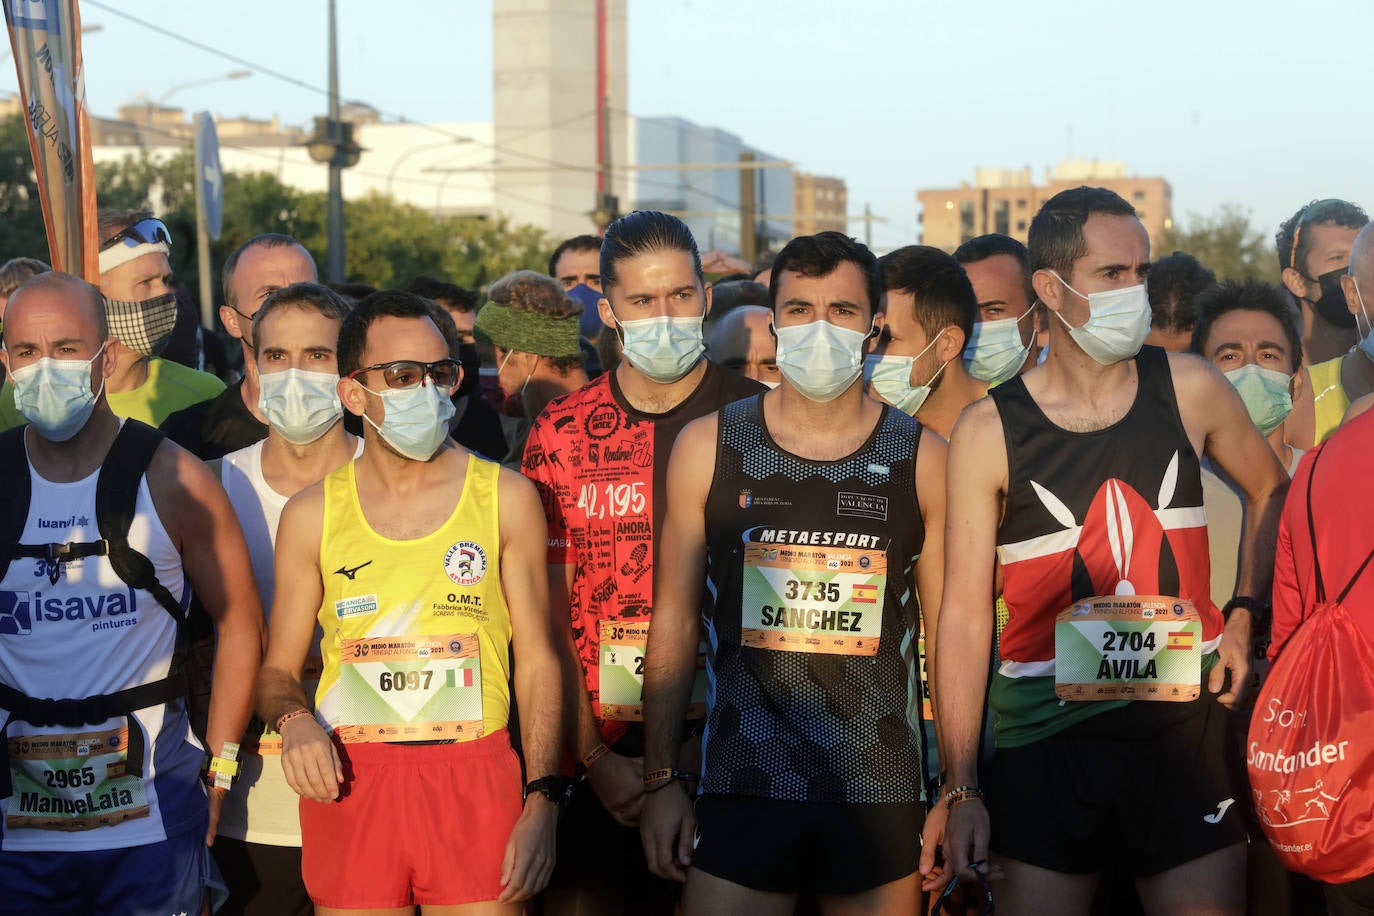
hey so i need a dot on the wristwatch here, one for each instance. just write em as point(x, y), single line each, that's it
point(1260, 613)
point(555, 788)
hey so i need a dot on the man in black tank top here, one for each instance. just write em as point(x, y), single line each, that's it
point(1082, 478)
point(816, 515)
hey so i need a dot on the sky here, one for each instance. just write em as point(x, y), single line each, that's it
point(1261, 103)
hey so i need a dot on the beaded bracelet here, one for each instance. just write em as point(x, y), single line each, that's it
point(293, 714)
point(961, 794)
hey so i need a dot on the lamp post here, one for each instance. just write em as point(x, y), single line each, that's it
point(333, 143)
point(231, 75)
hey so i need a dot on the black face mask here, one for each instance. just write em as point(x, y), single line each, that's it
point(471, 362)
point(1331, 306)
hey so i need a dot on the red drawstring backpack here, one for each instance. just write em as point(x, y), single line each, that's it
point(1311, 743)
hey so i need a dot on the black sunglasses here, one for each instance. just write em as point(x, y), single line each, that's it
point(407, 373)
point(988, 906)
point(143, 232)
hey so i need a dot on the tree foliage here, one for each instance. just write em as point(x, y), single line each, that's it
point(1226, 243)
point(388, 243)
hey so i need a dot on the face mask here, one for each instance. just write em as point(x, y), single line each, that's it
point(1331, 306)
point(471, 362)
point(300, 405)
point(514, 404)
point(1366, 343)
point(1265, 393)
point(144, 327)
point(55, 395)
point(890, 378)
point(819, 359)
point(589, 325)
point(1118, 323)
point(995, 351)
point(416, 421)
point(665, 349)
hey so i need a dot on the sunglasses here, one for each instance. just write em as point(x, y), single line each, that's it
point(988, 906)
point(143, 232)
point(407, 373)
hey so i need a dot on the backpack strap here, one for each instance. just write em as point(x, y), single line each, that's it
point(14, 508)
point(116, 497)
point(1312, 528)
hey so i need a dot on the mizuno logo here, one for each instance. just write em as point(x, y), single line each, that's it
point(351, 574)
point(1216, 816)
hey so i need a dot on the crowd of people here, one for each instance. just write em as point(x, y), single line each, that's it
point(840, 584)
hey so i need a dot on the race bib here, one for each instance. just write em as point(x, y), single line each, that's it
point(813, 599)
point(404, 688)
point(622, 672)
point(1128, 647)
point(267, 743)
point(74, 781)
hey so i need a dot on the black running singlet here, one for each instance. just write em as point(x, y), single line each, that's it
point(810, 617)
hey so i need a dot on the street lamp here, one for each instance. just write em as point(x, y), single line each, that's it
point(231, 75)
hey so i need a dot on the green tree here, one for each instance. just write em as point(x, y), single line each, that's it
point(21, 216)
point(1226, 243)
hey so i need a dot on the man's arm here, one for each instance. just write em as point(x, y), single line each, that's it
point(529, 855)
point(1210, 403)
point(308, 757)
point(212, 547)
point(977, 473)
point(670, 657)
point(930, 568)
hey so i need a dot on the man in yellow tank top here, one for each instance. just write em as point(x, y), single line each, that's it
point(1339, 382)
point(424, 566)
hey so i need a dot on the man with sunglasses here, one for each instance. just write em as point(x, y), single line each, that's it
point(423, 565)
point(232, 420)
point(140, 306)
point(600, 459)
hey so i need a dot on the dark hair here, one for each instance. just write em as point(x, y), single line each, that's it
point(109, 223)
point(391, 303)
point(1175, 282)
point(1251, 295)
point(644, 232)
point(17, 271)
point(944, 296)
point(529, 291)
point(231, 263)
point(355, 291)
point(1318, 212)
point(1056, 232)
point(728, 295)
point(820, 255)
point(303, 295)
point(576, 243)
point(992, 244)
point(444, 293)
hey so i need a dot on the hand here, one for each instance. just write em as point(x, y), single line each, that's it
point(215, 802)
point(530, 854)
point(310, 761)
point(667, 828)
point(932, 867)
point(1234, 652)
point(967, 831)
point(619, 784)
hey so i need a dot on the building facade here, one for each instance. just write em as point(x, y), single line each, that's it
point(819, 204)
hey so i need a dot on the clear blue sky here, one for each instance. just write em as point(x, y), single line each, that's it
point(1261, 103)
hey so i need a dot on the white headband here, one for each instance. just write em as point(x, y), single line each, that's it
point(116, 255)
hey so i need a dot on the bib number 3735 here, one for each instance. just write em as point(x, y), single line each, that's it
point(1128, 647)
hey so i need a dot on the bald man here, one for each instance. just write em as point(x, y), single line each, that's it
point(1337, 383)
point(106, 810)
point(742, 340)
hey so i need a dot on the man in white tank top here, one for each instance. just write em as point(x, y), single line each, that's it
point(110, 816)
point(295, 332)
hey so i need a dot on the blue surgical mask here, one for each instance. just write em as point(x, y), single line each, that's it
point(1265, 393)
point(589, 325)
point(663, 348)
point(300, 405)
point(995, 352)
point(890, 378)
point(819, 359)
point(1118, 323)
point(416, 419)
point(55, 395)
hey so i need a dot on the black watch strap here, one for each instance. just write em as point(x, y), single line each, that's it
point(555, 788)
point(1259, 611)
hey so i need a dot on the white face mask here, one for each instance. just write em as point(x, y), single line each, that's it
point(300, 405)
point(663, 348)
point(416, 420)
point(995, 352)
point(55, 395)
point(890, 379)
point(819, 359)
point(1366, 343)
point(1118, 323)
